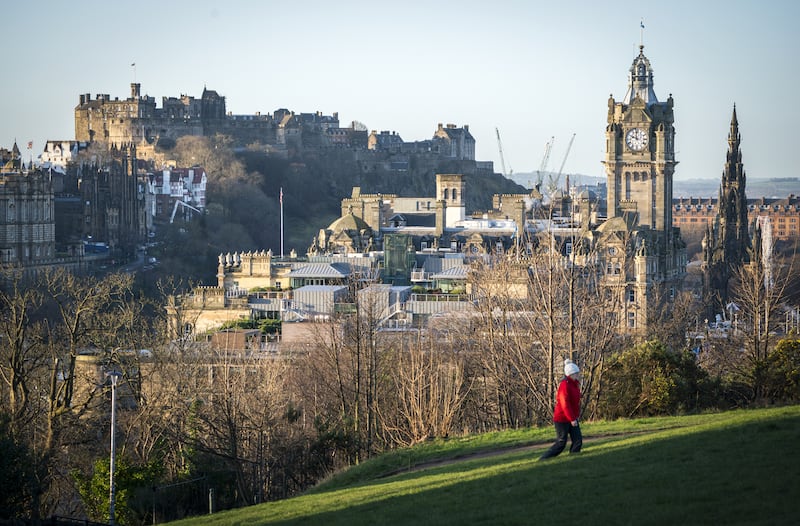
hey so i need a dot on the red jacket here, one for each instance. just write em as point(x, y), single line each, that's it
point(568, 401)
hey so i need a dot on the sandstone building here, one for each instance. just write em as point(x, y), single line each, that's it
point(640, 251)
point(27, 222)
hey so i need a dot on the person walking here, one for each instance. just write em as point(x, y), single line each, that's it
point(566, 413)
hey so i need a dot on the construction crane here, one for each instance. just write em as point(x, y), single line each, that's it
point(548, 147)
point(552, 184)
point(175, 209)
point(502, 159)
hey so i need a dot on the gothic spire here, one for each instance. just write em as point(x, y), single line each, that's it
point(734, 139)
point(731, 240)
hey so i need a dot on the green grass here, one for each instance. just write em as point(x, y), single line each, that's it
point(738, 467)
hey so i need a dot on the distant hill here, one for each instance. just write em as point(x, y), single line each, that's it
point(776, 187)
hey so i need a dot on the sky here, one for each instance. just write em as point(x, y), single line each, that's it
point(532, 70)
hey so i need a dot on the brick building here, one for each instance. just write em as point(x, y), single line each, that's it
point(693, 215)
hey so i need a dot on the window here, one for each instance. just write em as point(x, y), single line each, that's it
point(631, 295)
point(627, 186)
point(631, 320)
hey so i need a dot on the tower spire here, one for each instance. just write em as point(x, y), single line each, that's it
point(640, 80)
point(729, 247)
point(733, 167)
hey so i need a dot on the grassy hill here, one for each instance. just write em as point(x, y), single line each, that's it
point(738, 467)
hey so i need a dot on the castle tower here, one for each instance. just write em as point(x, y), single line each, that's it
point(450, 189)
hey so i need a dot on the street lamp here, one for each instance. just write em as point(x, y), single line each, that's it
point(113, 376)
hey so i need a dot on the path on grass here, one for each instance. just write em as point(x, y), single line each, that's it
point(497, 452)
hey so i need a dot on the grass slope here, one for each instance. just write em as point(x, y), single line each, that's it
point(738, 467)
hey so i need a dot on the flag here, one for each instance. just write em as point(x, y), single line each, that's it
point(30, 145)
point(134, 63)
point(281, 196)
point(641, 24)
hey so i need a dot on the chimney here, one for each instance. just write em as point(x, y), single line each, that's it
point(135, 86)
point(83, 100)
point(441, 217)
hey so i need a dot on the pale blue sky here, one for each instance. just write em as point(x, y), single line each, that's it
point(532, 69)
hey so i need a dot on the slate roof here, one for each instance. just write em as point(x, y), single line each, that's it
point(321, 270)
point(459, 272)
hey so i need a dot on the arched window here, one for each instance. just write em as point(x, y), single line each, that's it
point(455, 195)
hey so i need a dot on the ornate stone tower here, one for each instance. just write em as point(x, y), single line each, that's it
point(640, 152)
point(450, 190)
point(727, 242)
point(638, 243)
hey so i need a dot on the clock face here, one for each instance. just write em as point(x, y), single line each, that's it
point(636, 139)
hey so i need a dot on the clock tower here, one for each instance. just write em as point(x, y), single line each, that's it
point(644, 254)
point(640, 152)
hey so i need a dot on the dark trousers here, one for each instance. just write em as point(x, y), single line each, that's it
point(562, 430)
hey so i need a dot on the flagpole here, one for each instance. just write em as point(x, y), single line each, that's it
point(641, 33)
point(281, 199)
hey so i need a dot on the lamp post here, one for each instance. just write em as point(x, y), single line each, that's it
point(113, 376)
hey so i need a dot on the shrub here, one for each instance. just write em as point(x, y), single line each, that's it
point(649, 380)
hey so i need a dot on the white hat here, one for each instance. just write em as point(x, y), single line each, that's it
point(570, 368)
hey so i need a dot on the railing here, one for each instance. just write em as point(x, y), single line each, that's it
point(441, 297)
point(420, 275)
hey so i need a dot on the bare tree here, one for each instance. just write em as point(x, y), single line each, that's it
point(430, 387)
point(759, 290)
point(21, 359)
point(47, 320)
